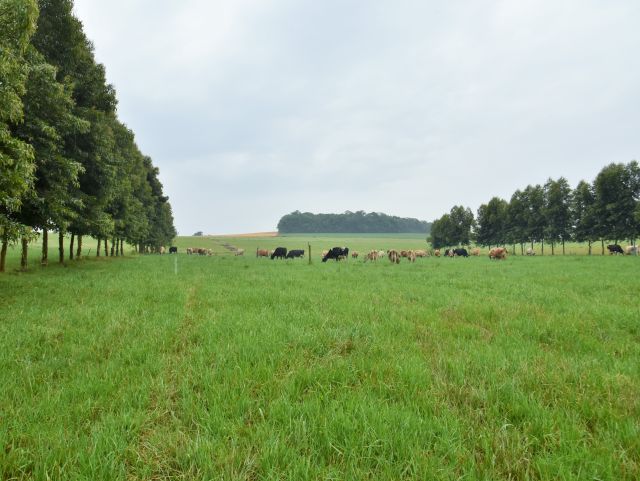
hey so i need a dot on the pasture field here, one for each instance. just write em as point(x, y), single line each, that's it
point(237, 368)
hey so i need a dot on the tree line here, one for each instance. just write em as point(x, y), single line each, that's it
point(553, 213)
point(349, 222)
point(67, 164)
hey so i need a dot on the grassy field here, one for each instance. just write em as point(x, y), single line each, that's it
point(189, 367)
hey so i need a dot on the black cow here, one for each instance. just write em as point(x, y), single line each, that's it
point(280, 253)
point(292, 254)
point(615, 249)
point(336, 253)
point(173, 250)
point(460, 252)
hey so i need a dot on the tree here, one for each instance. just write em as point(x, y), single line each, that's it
point(557, 212)
point(462, 221)
point(517, 219)
point(536, 222)
point(492, 223)
point(616, 197)
point(18, 22)
point(583, 214)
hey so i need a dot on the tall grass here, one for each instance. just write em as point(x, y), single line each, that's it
point(245, 368)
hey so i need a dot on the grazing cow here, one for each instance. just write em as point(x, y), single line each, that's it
point(404, 253)
point(189, 250)
point(336, 253)
point(614, 249)
point(449, 253)
point(461, 252)
point(411, 256)
point(292, 254)
point(475, 251)
point(262, 253)
point(161, 250)
point(381, 254)
point(239, 252)
point(530, 251)
point(354, 255)
point(394, 256)
point(421, 253)
point(631, 250)
point(372, 256)
point(280, 253)
point(173, 250)
point(498, 253)
point(324, 253)
point(436, 253)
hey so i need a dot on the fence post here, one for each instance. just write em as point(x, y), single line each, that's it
point(309, 246)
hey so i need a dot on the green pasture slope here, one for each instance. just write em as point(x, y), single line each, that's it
point(237, 368)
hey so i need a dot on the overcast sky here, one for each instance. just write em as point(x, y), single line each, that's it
point(255, 108)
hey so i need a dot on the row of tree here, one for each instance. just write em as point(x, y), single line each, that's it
point(67, 164)
point(606, 209)
point(350, 222)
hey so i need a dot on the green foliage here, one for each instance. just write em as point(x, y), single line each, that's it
point(349, 222)
point(492, 223)
point(453, 228)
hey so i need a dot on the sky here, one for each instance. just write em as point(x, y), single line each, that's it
point(253, 109)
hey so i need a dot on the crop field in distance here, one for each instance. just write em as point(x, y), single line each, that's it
point(242, 368)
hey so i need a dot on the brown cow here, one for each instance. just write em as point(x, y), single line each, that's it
point(421, 253)
point(411, 256)
point(498, 253)
point(436, 253)
point(394, 256)
point(475, 251)
point(354, 255)
point(404, 253)
point(371, 256)
point(262, 253)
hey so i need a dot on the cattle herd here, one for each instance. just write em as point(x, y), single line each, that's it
point(342, 253)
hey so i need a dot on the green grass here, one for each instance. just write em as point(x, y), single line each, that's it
point(245, 368)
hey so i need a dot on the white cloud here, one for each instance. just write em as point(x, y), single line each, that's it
point(404, 107)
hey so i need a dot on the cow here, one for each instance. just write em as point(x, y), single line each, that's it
point(161, 250)
point(381, 254)
point(530, 252)
point(498, 253)
point(631, 250)
point(614, 249)
point(411, 256)
point(280, 253)
point(372, 256)
point(475, 251)
point(461, 252)
point(173, 250)
point(324, 253)
point(436, 253)
point(189, 250)
point(336, 253)
point(293, 253)
point(421, 253)
point(404, 253)
point(394, 256)
point(355, 254)
point(262, 253)
point(239, 252)
point(449, 253)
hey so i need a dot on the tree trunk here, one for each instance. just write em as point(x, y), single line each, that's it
point(122, 247)
point(602, 240)
point(521, 249)
point(562, 246)
point(542, 248)
point(99, 245)
point(3, 253)
point(71, 242)
point(113, 243)
point(79, 250)
point(23, 256)
point(553, 252)
point(61, 246)
point(589, 247)
point(45, 248)
point(106, 247)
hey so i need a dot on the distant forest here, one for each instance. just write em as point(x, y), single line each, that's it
point(350, 222)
